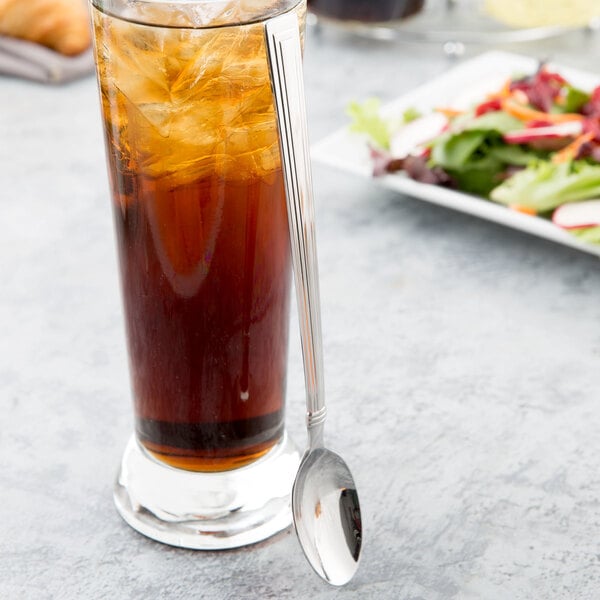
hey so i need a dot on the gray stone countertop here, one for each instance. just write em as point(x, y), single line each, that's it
point(461, 372)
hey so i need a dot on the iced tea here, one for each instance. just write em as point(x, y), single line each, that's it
point(202, 234)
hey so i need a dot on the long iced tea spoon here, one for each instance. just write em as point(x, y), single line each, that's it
point(324, 500)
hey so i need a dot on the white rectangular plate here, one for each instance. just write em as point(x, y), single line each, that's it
point(460, 87)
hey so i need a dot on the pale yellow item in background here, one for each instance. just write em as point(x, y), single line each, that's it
point(62, 25)
point(543, 13)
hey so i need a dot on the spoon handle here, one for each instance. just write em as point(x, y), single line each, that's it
point(285, 60)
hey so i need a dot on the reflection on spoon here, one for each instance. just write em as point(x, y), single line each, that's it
point(327, 516)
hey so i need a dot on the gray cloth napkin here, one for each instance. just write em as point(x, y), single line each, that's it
point(21, 58)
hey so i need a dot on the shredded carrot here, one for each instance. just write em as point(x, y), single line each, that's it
point(569, 152)
point(526, 210)
point(524, 113)
point(449, 112)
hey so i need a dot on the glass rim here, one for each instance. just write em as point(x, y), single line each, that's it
point(125, 10)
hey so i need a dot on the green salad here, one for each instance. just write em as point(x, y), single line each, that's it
point(533, 145)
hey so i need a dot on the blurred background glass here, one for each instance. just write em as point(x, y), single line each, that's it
point(463, 21)
point(366, 11)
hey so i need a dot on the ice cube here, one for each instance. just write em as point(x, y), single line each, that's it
point(204, 14)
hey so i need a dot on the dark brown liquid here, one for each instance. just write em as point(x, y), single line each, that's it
point(202, 234)
point(205, 273)
point(366, 10)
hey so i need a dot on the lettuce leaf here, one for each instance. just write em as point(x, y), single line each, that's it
point(574, 99)
point(411, 114)
point(513, 154)
point(474, 154)
point(591, 235)
point(454, 150)
point(479, 176)
point(543, 185)
point(366, 119)
point(498, 121)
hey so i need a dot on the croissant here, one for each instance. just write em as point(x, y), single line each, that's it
point(62, 25)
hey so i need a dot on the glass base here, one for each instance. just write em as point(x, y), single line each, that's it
point(207, 511)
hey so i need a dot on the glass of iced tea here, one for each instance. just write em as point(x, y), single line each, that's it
point(201, 227)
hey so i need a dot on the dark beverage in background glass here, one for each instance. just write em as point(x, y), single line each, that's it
point(367, 11)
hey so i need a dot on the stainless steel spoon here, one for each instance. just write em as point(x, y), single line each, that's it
point(324, 499)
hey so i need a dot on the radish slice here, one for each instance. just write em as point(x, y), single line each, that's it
point(560, 130)
point(575, 215)
point(411, 136)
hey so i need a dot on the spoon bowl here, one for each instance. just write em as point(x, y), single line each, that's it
point(327, 515)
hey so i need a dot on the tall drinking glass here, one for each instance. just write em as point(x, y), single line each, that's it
point(201, 227)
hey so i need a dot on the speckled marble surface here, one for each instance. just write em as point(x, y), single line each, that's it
point(461, 372)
